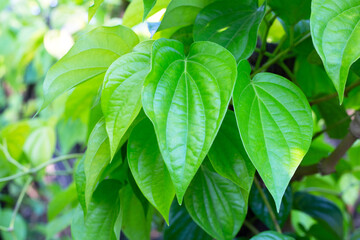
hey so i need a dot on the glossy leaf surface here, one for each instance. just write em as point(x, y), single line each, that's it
point(271, 235)
point(228, 156)
point(186, 98)
point(93, 8)
point(335, 31)
point(121, 93)
point(148, 168)
point(90, 57)
point(232, 24)
point(215, 203)
point(275, 123)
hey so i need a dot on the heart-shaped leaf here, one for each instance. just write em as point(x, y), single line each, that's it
point(149, 169)
point(335, 30)
point(215, 203)
point(186, 98)
point(232, 24)
point(90, 57)
point(275, 123)
point(121, 93)
point(228, 156)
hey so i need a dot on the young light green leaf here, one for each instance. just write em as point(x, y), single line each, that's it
point(335, 31)
point(97, 157)
point(149, 169)
point(40, 145)
point(90, 57)
point(61, 201)
point(216, 204)
point(182, 13)
point(228, 156)
point(136, 224)
point(291, 11)
point(78, 224)
point(103, 211)
point(275, 123)
point(93, 8)
point(182, 227)
point(186, 98)
point(121, 93)
point(271, 235)
point(232, 24)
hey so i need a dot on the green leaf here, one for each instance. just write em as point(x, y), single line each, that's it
point(184, 35)
point(61, 201)
point(186, 98)
point(93, 8)
point(333, 114)
point(182, 227)
point(136, 223)
point(121, 92)
point(80, 182)
point(291, 11)
point(216, 204)
point(20, 231)
point(182, 13)
point(97, 157)
point(40, 145)
point(275, 123)
point(335, 31)
point(90, 57)
point(318, 150)
point(271, 235)
point(232, 24)
point(149, 169)
point(78, 224)
point(322, 210)
point(259, 208)
point(135, 13)
point(58, 224)
point(103, 211)
point(148, 5)
point(228, 156)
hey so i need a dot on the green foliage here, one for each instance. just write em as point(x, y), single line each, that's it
point(221, 103)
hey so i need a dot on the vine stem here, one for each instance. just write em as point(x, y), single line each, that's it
point(41, 166)
point(267, 204)
point(17, 206)
point(10, 159)
point(334, 95)
point(251, 227)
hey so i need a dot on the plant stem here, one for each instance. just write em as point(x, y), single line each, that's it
point(288, 72)
point(270, 62)
point(18, 203)
point(267, 204)
point(263, 41)
point(41, 166)
point(334, 95)
point(251, 227)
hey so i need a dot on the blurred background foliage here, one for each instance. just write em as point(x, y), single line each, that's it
point(34, 34)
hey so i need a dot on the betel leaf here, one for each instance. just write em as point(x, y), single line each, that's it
point(291, 11)
point(215, 203)
point(232, 24)
point(90, 57)
point(322, 210)
point(186, 98)
point(182, 227)
point(228, 156)
point(148, 168)
point(182, 13)
point(136, 222)
point(260, 209)
point(335, 31)
point(271, 235)
point(148, 5)
point(121, 92)
point(97, 157)
point(80, 182)
point(78, 224)
point(93, 8)
point(275, 123)
point(103, 211)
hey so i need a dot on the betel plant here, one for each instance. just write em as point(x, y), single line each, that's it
point(193, 114)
